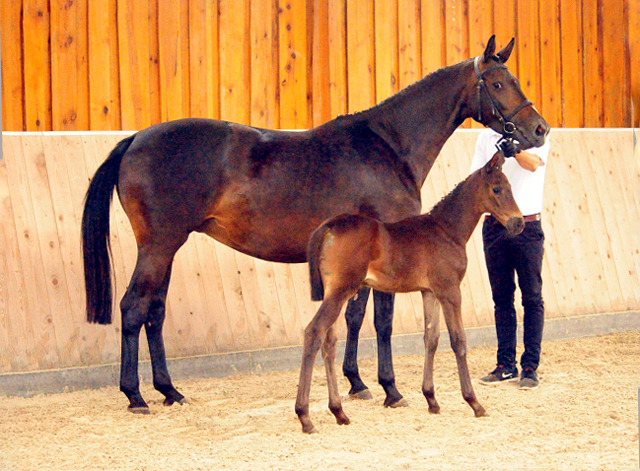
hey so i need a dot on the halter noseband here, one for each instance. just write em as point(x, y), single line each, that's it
point(507, 126)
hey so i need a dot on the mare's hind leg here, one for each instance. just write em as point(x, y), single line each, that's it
point(383, 322)
point(431, 338)
point(153, 327)
point(142, 296)
point(354, 315)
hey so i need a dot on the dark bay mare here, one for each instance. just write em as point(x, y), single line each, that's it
point(263, 192)
point(424, 253)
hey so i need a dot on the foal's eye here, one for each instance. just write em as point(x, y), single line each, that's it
point(497, 85)
point(497, 190)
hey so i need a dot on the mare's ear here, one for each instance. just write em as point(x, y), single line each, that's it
point(495, 164)
point(505, 53)
point(490, 49)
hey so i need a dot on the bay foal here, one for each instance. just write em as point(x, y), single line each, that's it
point(424, 253)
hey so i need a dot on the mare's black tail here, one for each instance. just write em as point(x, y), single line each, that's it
point(96, 248)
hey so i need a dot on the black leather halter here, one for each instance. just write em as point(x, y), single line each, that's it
point(507, 126)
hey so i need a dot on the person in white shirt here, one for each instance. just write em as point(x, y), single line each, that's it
point(522, 254)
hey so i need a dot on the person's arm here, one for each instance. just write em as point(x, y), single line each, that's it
point(528, 160)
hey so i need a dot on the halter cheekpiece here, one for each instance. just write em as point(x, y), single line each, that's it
point(507, 126)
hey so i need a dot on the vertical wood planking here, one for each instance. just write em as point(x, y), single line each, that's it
point(69, 67)
point(135, 63)
point(457, 31)
point(433, 38)
point(573, 86)
point(634, 58)
point(37, 70)
point(614, 45)
point(386, 49)
point(264, 65)
point(505, 28)
point(528, 50)
point(592, 79)
point(337, 56)
point(480, 30)
point(409, 47)
point(204, 72)
point(155, 95)
point(550, 61)
point(11, 70)
point(292, 35)
point(321, 64)
point(173, 34)
point(104, 93)
point(360, 55)
point(235, 61)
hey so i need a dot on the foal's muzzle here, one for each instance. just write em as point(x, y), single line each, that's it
point(515, 225)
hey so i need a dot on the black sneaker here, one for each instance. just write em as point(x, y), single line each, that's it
point(501, 374)
point(529, 379)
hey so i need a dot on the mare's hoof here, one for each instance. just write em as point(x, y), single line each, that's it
point(434, 410)
point(139, 410)
point(364, 395)
point(170, 402)
point(399, 403)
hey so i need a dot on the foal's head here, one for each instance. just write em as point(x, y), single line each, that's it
point(501, 104)
point(496, 196)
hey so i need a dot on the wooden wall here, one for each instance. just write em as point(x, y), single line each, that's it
point(223, 301)
point(127, 64)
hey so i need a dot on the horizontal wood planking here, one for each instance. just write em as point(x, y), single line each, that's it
point(129, 64)
point(223, 301)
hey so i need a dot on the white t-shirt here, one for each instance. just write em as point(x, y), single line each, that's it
point(527, 186)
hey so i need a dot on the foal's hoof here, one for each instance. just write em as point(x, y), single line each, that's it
point(139, 410)
point(399, 403)
point(480, 411)
point(364, 395)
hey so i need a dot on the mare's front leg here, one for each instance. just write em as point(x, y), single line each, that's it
point(451, 309)
point(314, 336)
point(431, 338)
point(354, 315)
point(383, 322)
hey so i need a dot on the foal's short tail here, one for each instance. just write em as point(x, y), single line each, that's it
point(96, 248)
point(313, 257)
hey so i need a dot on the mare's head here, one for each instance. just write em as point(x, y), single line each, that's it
point(500, 102)
point(496, 196)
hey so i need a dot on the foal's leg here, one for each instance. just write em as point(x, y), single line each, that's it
point(314, 336)
point(383, 321)
point(354, 315)
point(153, 327)
point(329, 357)
point(451, 310)
point(431, 338)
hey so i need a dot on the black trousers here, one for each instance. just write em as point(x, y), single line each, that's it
point(506, 256)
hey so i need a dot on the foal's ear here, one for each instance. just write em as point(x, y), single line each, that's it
point(505, 53)
point(490, 49)
point(495, 164)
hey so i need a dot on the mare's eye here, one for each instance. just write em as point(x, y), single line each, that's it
point(497, 85)
point(497, 190)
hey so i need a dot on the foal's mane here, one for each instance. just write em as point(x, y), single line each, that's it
point(453, 194)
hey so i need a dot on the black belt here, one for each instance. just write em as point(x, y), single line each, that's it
point(530, 218)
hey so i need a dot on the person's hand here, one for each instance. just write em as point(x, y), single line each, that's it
point(508, 147)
